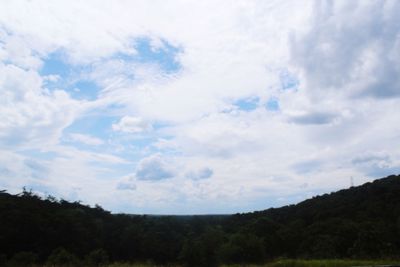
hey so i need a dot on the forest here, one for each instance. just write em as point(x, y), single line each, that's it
point(361, 222)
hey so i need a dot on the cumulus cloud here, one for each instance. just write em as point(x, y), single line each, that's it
point(133, 125)
point(17, 171)
point(377, 164)
point(313, 118)
point(31, 115)
point(17, 50)
point(337, 55)
point(126, 186)
point(251, 91)
point(153, 168)
point(203, 173)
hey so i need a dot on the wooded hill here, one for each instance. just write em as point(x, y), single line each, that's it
point(359, 222)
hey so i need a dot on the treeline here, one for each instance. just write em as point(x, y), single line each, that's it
point(360, 222)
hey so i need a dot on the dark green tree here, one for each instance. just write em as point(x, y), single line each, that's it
point(243, 248)
point(23, 259)
point(61, 257)
point(96, 258)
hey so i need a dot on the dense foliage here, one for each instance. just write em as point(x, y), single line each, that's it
point(360, 222)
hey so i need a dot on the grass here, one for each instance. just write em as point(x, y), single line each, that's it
point(301, 263)
point(330, 263)
point(287, 263)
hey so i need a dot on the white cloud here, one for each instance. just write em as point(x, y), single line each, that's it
point(30, 115)
point(360, 58)
point(313, 118)
point(17, 50)
point(338, 99)
point(86, 139)
point(377, 164)
point(126, 186)
point(133, 125)
point(153, 168)
point(203, 173)
point(17, 171)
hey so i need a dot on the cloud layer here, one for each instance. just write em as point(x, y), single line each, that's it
point(197, 107)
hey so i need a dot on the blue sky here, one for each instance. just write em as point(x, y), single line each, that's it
point(186, 108)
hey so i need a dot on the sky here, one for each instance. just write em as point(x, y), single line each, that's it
point(197, 107)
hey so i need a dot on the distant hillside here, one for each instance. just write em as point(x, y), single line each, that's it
point(360, 222)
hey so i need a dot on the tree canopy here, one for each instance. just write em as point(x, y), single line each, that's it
point(359, 222)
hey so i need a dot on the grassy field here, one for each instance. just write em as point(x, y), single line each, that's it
point(277, 263)
point(290, 263)
point(330, 263)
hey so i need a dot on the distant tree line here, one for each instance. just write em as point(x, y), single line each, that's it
point(360, 222)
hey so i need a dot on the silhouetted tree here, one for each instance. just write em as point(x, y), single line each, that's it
point(361, 222)
point(96, 258)
point(23, 259)
point(61, 257)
